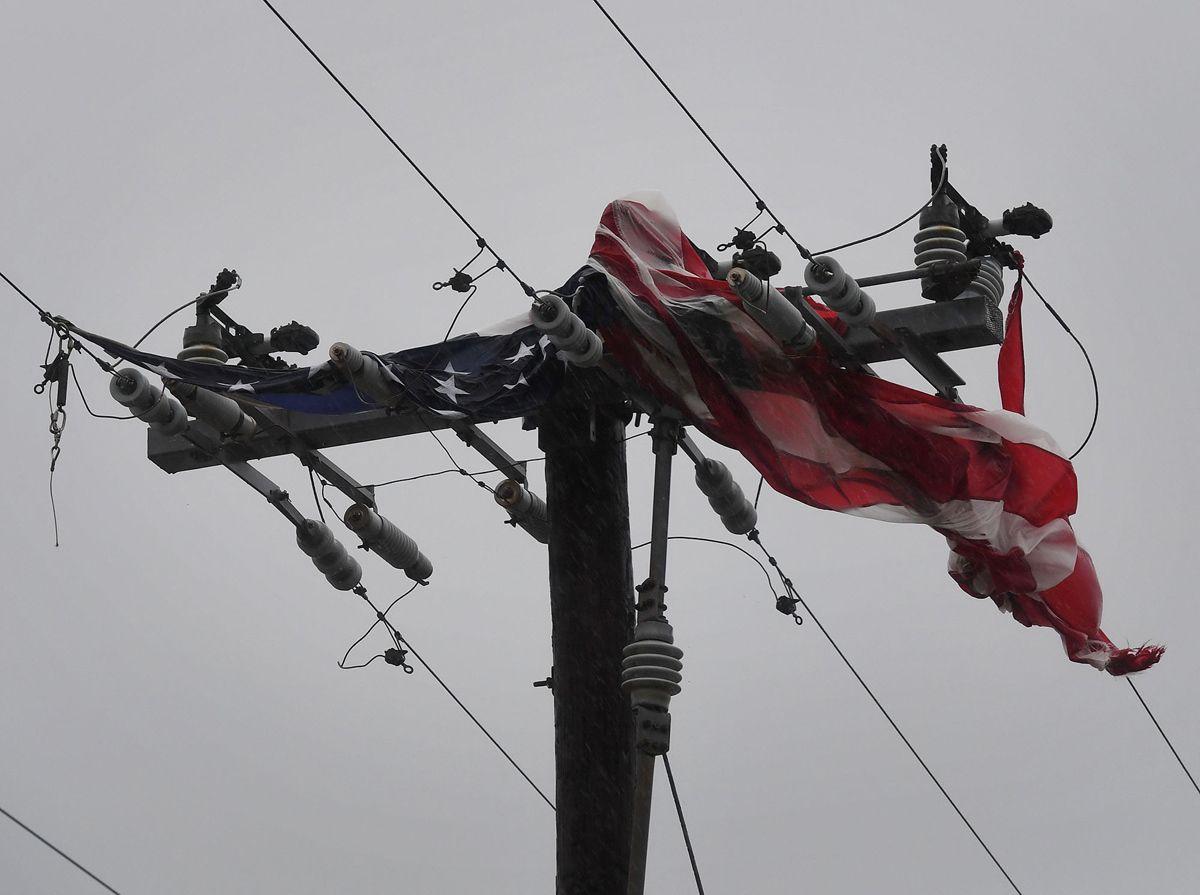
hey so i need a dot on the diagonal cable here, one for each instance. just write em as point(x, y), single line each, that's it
point(1170, 745)
point(50, 845)
point(482, 242)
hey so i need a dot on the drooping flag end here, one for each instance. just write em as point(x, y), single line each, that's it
point(999, 489)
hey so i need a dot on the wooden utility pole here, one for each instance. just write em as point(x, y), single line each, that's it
point(592, 613)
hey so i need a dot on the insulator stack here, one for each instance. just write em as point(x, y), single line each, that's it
point(838, 290)
point(576, 343)
point(725, 496)
point(364, 371)
point(651, 672)
point(525, 508)
point(989, 282)
point(150, 403)
point(775, 314)
point(383, 537)
point(940, 238)
point(222, 413)
point(328, 555)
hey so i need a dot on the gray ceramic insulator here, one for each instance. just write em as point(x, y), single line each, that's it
point(651, 672)
point(774, 313)
point(391, 544)
point(364, 370)
point(725, 497)
point(222, 413)
point(825, 276)
point(988, 282)
point(525, 508)
point(576, 344)
point(328, 555)
point(150, 403)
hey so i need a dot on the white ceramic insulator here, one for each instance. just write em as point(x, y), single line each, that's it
point(149, 403)
point(222, 413)
point(774, 313)
point(725, 496)
point(989, 282)
point(826, 277)
point(939, 242)
point(576, 343)
point(328, 555)
point(365, 371)
point(392, 545)
point(525, 508)
point(651, 672)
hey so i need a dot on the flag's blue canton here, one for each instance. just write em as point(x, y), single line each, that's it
point(478, 378)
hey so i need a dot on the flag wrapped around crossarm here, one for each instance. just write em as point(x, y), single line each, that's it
point(997, 487)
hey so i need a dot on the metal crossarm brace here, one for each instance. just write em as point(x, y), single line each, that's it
point(473, 437)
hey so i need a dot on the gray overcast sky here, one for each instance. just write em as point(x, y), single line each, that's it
point(171, 710)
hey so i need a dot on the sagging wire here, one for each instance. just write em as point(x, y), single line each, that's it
point(941, 152)
point(381, 617)
point(757, 539)
point(1087, 357)
point(500, 469)
point(770, 584)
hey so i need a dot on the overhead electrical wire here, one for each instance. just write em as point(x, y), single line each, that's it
point(687, 839)
point(50, 845)
point(1087, 357)
point(481, 241)
point(896, 727)
point(1167, 739)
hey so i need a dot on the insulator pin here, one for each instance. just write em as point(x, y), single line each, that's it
point(149, 403)
point(774, 313)
point(364, 371)
point(382, 536)
point(576, 343)
point(725, 497)
point(525, 508)
point(328, 555)
point(825, 276)
point(222, 413)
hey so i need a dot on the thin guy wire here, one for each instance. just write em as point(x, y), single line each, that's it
point(1086, 357)
point(469, 714)
point(741, 550)
point(687, 840)
point(896, 727)
point(87, 406)
point(46, 842)
point(312, 481)
point(941, 185)
point(805, 253)
point(408, 158)
point(1170, 745)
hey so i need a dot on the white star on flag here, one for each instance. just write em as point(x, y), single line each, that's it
point(450, 389)
point(523, 351)
point(520, 381)
point(240, 386)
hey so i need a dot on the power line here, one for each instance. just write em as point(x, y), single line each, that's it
point(46, 842)
point(687, 840)
point(771, 559)
point(1170, 745)
point(480, 240)
point(512, 761)
point(762, 204)
point(1087, 357)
